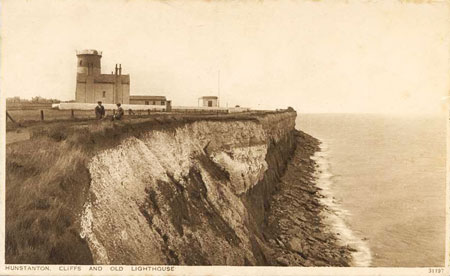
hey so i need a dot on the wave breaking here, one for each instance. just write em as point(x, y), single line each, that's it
point(334, 215)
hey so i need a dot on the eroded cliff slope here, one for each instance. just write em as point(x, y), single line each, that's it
point(179, 195)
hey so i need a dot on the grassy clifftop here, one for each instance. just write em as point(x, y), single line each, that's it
point(46, 182)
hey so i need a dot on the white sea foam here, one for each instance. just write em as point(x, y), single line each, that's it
point(335, 215)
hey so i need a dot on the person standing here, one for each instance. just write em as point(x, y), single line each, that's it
point(119, 114)
point(99, 111)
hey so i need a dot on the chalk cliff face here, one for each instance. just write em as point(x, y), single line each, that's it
point(194, 194)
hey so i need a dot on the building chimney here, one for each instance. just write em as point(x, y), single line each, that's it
point(116, 69)
point(120, 69)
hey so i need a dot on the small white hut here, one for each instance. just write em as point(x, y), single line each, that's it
point(209, 101)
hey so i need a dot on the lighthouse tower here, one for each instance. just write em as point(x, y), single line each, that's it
point(93, 86)
point(89, 62)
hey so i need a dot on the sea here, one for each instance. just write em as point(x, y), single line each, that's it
point(384, 178)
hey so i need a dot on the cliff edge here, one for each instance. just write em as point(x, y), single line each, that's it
point(228, 190)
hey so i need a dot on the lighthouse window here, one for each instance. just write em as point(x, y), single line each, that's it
point(104, 94)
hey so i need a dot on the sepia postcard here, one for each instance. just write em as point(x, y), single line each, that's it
point(214, 137)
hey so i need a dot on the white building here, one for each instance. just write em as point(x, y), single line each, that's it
point(209, 101)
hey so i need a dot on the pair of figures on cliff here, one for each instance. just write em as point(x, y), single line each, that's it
point(100, 112)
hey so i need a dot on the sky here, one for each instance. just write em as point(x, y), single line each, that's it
point(316, 56)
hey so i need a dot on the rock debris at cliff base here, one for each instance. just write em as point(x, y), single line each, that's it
point(295, 231)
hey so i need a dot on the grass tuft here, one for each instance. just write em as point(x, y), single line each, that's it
point(46, 184)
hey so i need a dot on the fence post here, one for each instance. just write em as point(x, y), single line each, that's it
point(42, 115)
point(9, 116)
point(168, 106)
point(72, 114)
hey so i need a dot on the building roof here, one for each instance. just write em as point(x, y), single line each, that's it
point(109, 78)
point(104, 78)
point(209, 97)
point(89, 52)
point(147, 97)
